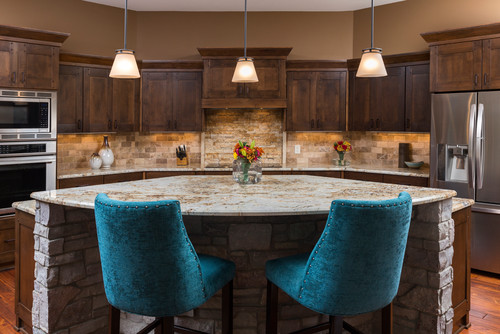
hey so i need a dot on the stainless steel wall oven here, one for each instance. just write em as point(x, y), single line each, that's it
point(27, 145)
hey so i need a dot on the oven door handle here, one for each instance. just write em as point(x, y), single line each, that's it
point(28, 160)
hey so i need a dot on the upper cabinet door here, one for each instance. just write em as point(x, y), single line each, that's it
point(217, 77)
point(418, 99)
point(271, 85)
point(491, 64)
point(39, 66)
point(187, 113)
point(126, 104)
point(156, 101)
point(8, 64)
point(330, 101)
point(387, 100)
point(97, 100)
point(69, 100)
point(360, 117)
point(456, 67)
point(300, 101)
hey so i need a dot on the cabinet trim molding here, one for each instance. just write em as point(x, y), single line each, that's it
point(475, 32)
point(49, 37)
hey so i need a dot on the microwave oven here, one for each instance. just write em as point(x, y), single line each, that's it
point(27, 115)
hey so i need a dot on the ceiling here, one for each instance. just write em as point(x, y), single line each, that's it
point(252, 5)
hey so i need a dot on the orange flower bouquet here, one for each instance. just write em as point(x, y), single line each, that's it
point(341, 147)
point(246, 165)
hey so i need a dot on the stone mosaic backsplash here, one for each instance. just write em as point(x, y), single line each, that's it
point(223, 128)
point(379, 149)
point(129, 149)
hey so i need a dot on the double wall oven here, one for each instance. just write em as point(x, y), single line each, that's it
point(28, 133)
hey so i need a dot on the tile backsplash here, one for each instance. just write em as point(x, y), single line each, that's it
point(129, 149)
point(223, 128)
point(371, 148)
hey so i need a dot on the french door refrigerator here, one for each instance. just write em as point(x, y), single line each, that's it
point(465, 156)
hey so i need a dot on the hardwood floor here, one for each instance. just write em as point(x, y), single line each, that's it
point(484, 315)
point(7, 315)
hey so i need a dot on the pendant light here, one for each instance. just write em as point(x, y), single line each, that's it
point(125, 65)
point(245, 69)
point(371, 64)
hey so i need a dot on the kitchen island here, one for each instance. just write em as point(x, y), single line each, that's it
point(249, 224)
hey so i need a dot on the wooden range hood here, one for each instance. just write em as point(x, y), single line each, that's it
point(220, 93)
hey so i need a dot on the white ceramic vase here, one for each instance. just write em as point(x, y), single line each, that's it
point(106, 154)
point(95, 161)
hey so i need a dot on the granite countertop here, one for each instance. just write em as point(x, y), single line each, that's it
point(26, 206)
point(82, 172)
point(220, 195)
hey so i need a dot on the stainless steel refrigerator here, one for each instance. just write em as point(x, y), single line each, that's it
point(465, 156)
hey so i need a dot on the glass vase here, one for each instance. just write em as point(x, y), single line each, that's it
point(341, 161)
point(245, 172)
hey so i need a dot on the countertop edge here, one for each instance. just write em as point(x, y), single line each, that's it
point(86, 172)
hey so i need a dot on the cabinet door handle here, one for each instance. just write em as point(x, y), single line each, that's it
point(13, 77)
point(168, 124)
point(475, 79)
point(175, 124)
point(240, 89)
point(312, 123)
point(109, 125)
point(378, 123)
point(9, 240)
point(485, 79)
point(372, 123)
point(408, 123)
point(79, 125)
point(317, 123)
point(116, 124)
point(23, 79)
point(247, 89)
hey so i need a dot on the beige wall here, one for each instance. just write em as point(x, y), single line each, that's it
point(398, 26)
point(176, 35)
point(94, 29)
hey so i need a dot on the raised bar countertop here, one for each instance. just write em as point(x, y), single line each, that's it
point(222, 196)
point(82, 172)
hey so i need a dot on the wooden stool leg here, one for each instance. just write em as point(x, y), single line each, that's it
point(113, 320)
point(387, 319)
point(272, 308)
point(227, 308)
point(335, 325)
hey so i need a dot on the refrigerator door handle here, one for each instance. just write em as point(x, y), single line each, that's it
point(470, 160)
point(480, 146)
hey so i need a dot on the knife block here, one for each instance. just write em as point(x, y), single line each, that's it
point(182, 162)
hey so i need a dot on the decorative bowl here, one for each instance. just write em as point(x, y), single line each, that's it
point(414, 164)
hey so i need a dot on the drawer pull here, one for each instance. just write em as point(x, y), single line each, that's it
point(9, 240)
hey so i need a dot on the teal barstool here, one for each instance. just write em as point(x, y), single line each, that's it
point(354, 268)
point(150, 267)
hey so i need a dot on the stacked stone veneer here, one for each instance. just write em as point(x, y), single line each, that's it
point(223, 129)
point(69, 296)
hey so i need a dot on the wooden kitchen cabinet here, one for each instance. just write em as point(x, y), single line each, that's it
point(171, 101)
point(461, 296)
point(465, 59)
point(418, 99)
point(26, 65)
point(90, 101)
point(25, 270)
point(97, 100)
point(7, 242)
point(316, 100)
point(220, 92)
point(388, 178)
point(378, 104)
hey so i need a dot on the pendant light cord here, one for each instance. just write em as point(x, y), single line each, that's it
point(371, 45)
point(245, 29)
point(125, 27)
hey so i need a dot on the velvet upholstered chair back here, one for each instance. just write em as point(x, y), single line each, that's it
point(356, 265)
point(149, 264)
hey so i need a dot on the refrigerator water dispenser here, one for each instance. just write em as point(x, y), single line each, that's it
point(457, 163)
